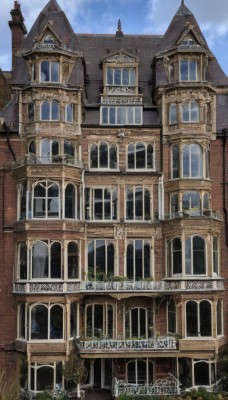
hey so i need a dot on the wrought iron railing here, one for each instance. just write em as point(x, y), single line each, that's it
point(31, 159)
point(156, 343)
point(125, 286)
point(169, 386)
point(195, 213)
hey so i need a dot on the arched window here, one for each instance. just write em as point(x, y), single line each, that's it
point(49, 150)
point(72, 261)
point(99, 320)
point(195, 258)
point(198, 318)
point(191, 203)
point(138, 260)
point(140, 156)
point(192, 161)
point(101, 204)
point(139, 323)
point(101, 259)
point(190, 112)
point(46, 322)
point(45, 377)
point(138, 203)
point(70, 201)
point(50, 111)
point(140, 372)
point(22, 261)
point(49, 71)
point(174, 257)
point(32, 147)
point(174, 203)
point(46, 200)
point(173, 114)
point(69, 113)
point(103, 155)
point(69, 152)
point(46, 260)
point(172, 316)
point(175, 162)
point(204, 373)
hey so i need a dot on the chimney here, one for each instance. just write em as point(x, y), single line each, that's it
point(18, 30)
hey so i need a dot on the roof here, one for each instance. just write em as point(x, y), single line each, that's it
point(10, 113)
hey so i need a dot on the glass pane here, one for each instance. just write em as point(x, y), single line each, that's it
point(113, 156)
point(73, 271)
point(68, 148)
point(104, 115)
point(73, 319)
point(194, 111)
point(175, 162)
point(54, 111)
point(121, 115)
point(130, 115)
point(70, 201)
point(45, 111)
point(131, 156)
point(39, 260)
point(110, 260)
point(110, 321)
point(89, 321)
point(205, 318)
point(177, 256)
point(172, 317)
point(100, 259)
point(45, 378)
point(69, 112)
point(130, 261)
point(139, 203)
point(150, 160)
point(23, 261)
point(91, 264)
point(94, 156)
point(193, 70)
point(201, 372)
point(45, 151)
point(196, 161)
point(56, 322)
point(98, 204)
point(147, 215)
point(112, 115)
point(138, 260)
point(44, 69)
point(142, 372)
point(55, 148)
point(138, 115)
point(98, 320)
point(186, 170)
point(140, 155)
point(109, 76)
point(191, 318)
point(107, 204)
point(188, 256)
point(173, 114)
point(184, 70)
point(56, 261)
point(22, 321)
point(185, 112)
point(126, 76)
point(23, 198)
point(39, 322)
point(55, 72)
point(117, 76)
point(132, 77)
point(131, 372)
point(142, 323)
point(198, 255)
point(135, 323)
point(103, 148)
point(219, 317)
point(129, 204)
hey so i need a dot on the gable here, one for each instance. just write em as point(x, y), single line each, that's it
point(121, 58)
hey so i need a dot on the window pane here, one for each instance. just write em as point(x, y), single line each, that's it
point(191, 318)
point(186, 171)
point(110, 259)
point(109, 76)
point(69, 112)
point(185, 112)
point(146, 260)
point(172, 317)
point(45, 111)
point(139, 203)
point(113, 156)
point(73, 319)
point(45, 378)
point(129, 205)
point(39, 260)
point(132, 77)
point(100, 257)
point(45, 71)
point(130, 115)
point(205, 318)
point(130, 261)
point(140, 155)
point(117, 76)
point(39, 322)
point(184, 70)
point(55, 72)
point(126, 76)
point(138, 259)
point(201, 371)
point(56, 322)
point(177, 256)
point(73, 270)
point(194, 111)
point(98, 320)
point(121, 115)
point(70, 201)
point(107, 204)
point(193, 70)
point(105, 115)
point(150, 162)
point(131, 156)
point(131, 372)
point(98, 204)
point(94, 156)
point(219, 317)
point(23, 261)
point(22, 321)
point(173, 114)
point(103, 148)
point(188, 256)
point(112, 115)
point(54, 111)
point(175, 162)
point(138, 113)
point(198, 256)
point(56, 261)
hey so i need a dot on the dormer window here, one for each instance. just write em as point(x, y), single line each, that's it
point(121, 76)
point(49, 40)
point(49, 71)
point(188, 70)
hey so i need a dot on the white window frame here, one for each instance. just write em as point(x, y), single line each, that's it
point(198, 320)
point(189, 61)
point(46, 217)
point(49, 306)
point(147, 378)
point(36, 366)
point(69, 121)
point(144, 242)
point(133, 108)
point(190, 119)
point(107, 242)
point(109, 158)
point(147, 310)
point(146, 168)
point(50, 111)
point(50, 73)
point(105, 317)
point(138, 219)
point(48, 243)
point(113, 69)
point(91, 211)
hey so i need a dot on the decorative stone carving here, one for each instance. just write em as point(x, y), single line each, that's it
point(121, 90)
point(121, 100)
point(120, 58)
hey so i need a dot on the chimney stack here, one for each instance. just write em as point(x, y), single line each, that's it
point(18, 30)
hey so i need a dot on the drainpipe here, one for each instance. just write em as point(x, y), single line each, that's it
point(225, 137)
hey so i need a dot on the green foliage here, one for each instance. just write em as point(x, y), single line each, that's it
point(74, 370)
point(9, 388)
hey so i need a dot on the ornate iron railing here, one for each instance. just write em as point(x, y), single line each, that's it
point(31, 159)
point(156, 343)
point(195, 213)
point(169, 386)
point(125, 286)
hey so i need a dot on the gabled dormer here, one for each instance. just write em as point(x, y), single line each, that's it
point(120, 74)
point(48, 39)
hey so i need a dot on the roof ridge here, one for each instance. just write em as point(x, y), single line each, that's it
point(52, 6)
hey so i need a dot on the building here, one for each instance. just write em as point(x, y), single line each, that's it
point(113, 222)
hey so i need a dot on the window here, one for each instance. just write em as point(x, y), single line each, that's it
point(101, 259)
point(172, 316)
point(101, 204)
point(190, 112)
point(73, 319)
point(140, 372)
point(69, 152)
point(206, 201)
point(219, 317)
point(72, 261)
point(21, 321)
point(22, 189)
point(139, 323)
point(138, 260)
point(140, 156)
point(70, 202)
point(50, 111)
point(192, 161)
point(121, 76)
point(103, 155)
point(49, 71)
point(171, 72)
point(32, 147)
point(46, 322)
point(215, 255)
point(195, 258)
point(204, 373)
point(46, 260)
point(121, 115)
point(173, 114)
point(174, 203)
point(31, 112)
point(46, 200)
point(69, 113)
point(188, 70)
point(45, 377)
point(22, 261)
point(175, 162)
point(191, 203)
point(49, 151)
point(99, 320)
point(198, 318)
point(138, 204)
point(174, 253)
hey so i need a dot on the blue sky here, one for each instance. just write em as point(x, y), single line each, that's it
point(137, 16)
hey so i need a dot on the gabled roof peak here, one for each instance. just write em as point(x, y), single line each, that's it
point(52, 6)
point(183, 10)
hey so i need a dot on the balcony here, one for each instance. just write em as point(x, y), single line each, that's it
point(196, 214)
point(157, 343)
point(31, 159)
point(96, 287)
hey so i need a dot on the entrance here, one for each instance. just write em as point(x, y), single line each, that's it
point(101, 373)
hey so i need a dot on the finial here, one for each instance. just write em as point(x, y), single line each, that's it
point(119, 31)
point(182, 2)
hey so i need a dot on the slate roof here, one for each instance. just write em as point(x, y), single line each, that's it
point(10, 113)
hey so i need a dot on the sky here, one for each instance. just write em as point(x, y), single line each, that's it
point(137, 16)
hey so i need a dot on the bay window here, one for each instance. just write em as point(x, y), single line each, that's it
point(49, 71)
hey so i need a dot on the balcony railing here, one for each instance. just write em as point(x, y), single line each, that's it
point(31, 159)
point(169, 386)
point(125, 286)
point(156, 343)
point(195, 213)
